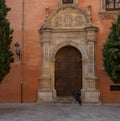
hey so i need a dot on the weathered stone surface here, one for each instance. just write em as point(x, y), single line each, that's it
point(68, 26)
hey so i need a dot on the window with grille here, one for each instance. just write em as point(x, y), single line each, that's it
point(115, 88)
point(112, 5)
point(67, 1)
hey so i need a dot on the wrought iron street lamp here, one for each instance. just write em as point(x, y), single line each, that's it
point(17, 49)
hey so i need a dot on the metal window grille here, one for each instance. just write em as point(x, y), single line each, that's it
point(67, 1)
point(113, 5)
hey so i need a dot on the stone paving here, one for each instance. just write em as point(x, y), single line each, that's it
point(59, 112)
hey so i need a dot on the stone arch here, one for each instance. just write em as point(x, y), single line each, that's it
point(82, 36)
point(72, 44)
point(80, 48)
point(60, 45)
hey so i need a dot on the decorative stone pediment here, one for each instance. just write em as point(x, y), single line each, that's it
point(68, 17)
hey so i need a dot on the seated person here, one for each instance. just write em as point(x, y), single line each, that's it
point(77, 96)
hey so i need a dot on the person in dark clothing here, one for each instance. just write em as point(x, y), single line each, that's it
point(77, 96)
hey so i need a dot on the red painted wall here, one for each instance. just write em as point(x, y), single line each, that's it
point(29, 38)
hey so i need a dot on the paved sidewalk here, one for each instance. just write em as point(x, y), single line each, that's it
point(59, 112)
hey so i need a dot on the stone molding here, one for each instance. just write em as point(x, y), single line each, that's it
point(109, 14)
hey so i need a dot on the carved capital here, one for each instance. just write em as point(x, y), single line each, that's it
point(91, 33)
point(46, 35)
point(91, 28)
point(44, 29)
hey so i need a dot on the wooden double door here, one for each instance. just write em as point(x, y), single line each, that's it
point(68, 71)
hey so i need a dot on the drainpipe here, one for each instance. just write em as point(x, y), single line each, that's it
point(22, 52)
point(19, 49)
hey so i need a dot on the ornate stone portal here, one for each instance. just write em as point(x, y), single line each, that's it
point(68, 26)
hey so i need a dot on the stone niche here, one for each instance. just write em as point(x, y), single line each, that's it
point(68, 26)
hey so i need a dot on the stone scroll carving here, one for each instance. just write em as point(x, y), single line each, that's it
point(68, 20)
point(67, 17)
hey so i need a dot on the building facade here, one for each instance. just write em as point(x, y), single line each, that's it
point(61, 44)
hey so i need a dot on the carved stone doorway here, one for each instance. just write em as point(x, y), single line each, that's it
point(63, 27)
point(68, 71)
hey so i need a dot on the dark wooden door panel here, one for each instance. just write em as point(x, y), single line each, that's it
point(68, 71)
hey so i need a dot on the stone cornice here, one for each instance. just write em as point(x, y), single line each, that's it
point(108, 14)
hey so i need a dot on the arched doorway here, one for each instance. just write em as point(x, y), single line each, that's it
point(71, 29)
point(68, 71)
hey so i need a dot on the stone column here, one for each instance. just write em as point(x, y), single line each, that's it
point(45, 91)
point(89, 93)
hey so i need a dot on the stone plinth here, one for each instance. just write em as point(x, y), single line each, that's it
point(90, 96)
point(45, 96)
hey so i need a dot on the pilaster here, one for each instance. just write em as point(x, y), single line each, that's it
point(45, 93)
point(90, 94)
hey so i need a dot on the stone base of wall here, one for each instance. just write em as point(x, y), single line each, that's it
point(90, 96)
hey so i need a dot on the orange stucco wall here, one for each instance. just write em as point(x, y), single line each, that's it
point(29, 38)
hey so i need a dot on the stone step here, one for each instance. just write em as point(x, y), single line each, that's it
point(65, 100)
